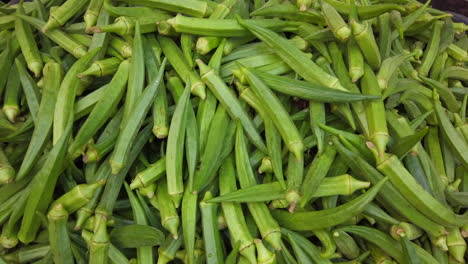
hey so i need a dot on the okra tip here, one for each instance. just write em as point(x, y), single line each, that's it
point(204, 69)
point(7, 175)
point(160, 132)
point(11, 113)
point(51, 24)
point(8, 241)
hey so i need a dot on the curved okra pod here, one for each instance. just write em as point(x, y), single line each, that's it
point(101, 111)
point(67, 93)
point(432, 50)
point(52, 76)
point(328, 217)
point(292, 56)
point(233, 212)
point(43, 185)
point(277, 112)
point(59, 238)
point(26, 41)
point(60, 15)
point(454, 139)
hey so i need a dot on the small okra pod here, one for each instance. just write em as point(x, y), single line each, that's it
point(12, 94)
point(7, 172)
point(78, 196)
point(384, 35)
point(355, 61)
point(278, 113)
point(176, 58)
point(364, 37)
point(418, 49)
point(59, 238)
point(102, 68)
point(60, 15)
point(129, 130)
point(338, 26)
point(27, 43)
point(432, 50)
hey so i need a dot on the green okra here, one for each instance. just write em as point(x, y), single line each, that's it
point(225, 27)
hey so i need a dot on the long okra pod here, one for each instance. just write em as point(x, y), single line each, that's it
point(101, 110)
point(53, 76)
point(28, 45)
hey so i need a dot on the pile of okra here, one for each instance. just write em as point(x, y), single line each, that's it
point(232, 131)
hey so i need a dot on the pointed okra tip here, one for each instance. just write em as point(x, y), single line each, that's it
point(204, 69)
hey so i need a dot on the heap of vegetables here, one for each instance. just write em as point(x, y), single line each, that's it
point(232, 131)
